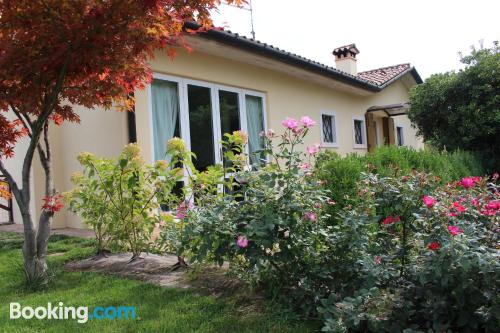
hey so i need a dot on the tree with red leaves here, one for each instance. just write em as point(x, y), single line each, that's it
point(58, 53)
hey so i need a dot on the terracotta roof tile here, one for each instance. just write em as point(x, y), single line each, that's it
point(381, 76)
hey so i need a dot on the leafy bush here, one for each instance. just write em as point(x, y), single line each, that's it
point(460, 110)
point(274, 232)
point(417, 264)
point(120, 199)
point(342, 173)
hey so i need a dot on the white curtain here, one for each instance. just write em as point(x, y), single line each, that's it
point(255, 124)
point(165, 98)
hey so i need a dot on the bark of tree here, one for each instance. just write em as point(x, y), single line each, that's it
point(36, 237)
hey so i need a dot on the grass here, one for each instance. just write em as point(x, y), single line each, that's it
point(158, 309)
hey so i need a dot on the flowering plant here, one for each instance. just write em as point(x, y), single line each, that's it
point(121, 198)
point(269, 223)
point(425, 257)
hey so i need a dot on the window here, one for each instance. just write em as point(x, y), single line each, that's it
point(329, 129)
point(359, 132)
point(400, 136)
point(201, 113)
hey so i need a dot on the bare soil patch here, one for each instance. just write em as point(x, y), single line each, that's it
point(157, 269)
point(150, 268)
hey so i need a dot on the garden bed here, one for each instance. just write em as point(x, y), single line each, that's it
point(161, 270)
point(151, 268)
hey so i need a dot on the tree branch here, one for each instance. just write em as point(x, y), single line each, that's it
point(19, 116)
point(10, 179)
point(39, 124)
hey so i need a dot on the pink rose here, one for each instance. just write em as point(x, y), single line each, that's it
point(290, 123)
point(313, 150)
point(467, 182)
point(307, 122)
point(493, 205)
point(454, 230)
point(304, 166)
point(428, 201)
point(310, 216)
point(242, 242)
point(182, 209)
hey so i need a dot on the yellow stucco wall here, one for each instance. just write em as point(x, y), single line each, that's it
point(285, 97)
point(104, 133)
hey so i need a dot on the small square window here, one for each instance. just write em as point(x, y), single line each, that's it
point(329, 129)
point(359, 132)
point(400, 136)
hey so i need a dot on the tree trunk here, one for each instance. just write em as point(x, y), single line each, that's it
point(35, 238)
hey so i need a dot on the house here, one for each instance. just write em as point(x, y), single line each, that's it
point(231, 82)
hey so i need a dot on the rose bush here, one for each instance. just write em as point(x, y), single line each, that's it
point(269, 222)
point(425, 258)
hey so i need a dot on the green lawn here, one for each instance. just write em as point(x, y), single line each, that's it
point(158, 309)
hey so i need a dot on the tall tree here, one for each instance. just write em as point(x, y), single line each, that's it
point(461, 110)
point(58, 53)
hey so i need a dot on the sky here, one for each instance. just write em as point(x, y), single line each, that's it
point(428, 34)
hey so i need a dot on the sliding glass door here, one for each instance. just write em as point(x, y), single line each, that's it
point(165, 114)
point(201, 126)
point(255, 125)
point(201, 113)
point(229, 107)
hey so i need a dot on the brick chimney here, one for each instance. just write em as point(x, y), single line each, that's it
point(345, 58)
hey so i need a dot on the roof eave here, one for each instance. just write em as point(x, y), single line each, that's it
point(412, 71)
point(286, 57)
point(257, 47)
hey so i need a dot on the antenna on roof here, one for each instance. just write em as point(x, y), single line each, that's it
point(251, 19)
point(249, 9)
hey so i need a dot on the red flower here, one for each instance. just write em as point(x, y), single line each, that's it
point(458, 207)
point(52, 203)
point(390, 219)
point(434, 246)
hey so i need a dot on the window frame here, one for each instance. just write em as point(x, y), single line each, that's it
point(323, 142)
point(403, 130)
point(185, 134)
point(363, 145)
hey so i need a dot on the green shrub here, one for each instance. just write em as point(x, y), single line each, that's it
point(274, 234)
point(341, 174)
point(120, 199)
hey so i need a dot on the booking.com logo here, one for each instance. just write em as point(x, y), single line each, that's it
point(80, 313)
